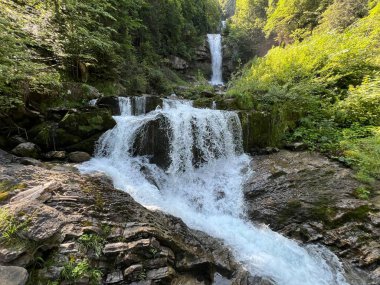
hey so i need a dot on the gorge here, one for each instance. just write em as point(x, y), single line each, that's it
point(190, 142)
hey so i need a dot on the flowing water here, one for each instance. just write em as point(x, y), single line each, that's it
point(207, 197)
point(215, 42)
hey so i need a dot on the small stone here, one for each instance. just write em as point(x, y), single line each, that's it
point(13, 275)
point(297, 146)
point(79, 156)
point(114, 277)
point(7, 255)
point(70, 247)
point(27, 149)
point(161, 273)
point(55, 155)
point(113, 248)
point(29, 161)
point(131, 270)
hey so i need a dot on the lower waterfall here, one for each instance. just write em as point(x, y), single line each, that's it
point(203, 186)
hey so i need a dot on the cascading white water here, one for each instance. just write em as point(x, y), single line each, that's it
point(215, 42)
point(208, 197)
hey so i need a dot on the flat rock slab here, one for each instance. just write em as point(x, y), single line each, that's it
point(13, 275)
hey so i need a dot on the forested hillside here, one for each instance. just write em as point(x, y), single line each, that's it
point(116, 46)
point(322, 79)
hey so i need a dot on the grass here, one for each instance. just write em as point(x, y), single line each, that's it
point(7, 187)
point(92, 242)
point(75, 270)
point(10, 227)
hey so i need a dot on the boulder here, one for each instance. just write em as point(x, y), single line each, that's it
point(87, 122)
point(178, 63)
point(79, 156)
point(27, 149)
point(55, 155)
point(152, 140)
point(13, 275)
point(109, 102)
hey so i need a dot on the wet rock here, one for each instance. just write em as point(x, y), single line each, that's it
point(27, 149)
point(109, 102)
point(29, 161)
point(153, 141)
point(55, 155)
point(87, 122)
point(297, 146)
point(307, 197)
point(114, 277)
point(161, 273)
point(12, 275)
point(79, 156)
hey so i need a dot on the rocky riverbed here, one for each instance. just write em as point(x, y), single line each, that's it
point(74, 229)
point(310, 198)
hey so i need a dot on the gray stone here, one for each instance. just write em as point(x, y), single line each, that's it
point(13, 275)
point(79, 156)
point(27, 149)
point(8, 254)
point(55, 155)
point(114, 277)
point(113, 248)
point(160, 273)
point(178, 63)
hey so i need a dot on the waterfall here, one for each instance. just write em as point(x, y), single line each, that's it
point(207, 196)
point(215, 42)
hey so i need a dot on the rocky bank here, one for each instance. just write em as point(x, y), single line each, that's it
point(310, 198)
point(64, 228)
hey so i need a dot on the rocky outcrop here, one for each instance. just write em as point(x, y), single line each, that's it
point(12, 275)
point(73, 130)
point(27, 149)
point(152, 140)
point(79, 229)
point(310, 198)
point(178, 63)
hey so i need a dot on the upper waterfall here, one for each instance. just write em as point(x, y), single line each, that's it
point(215, 42)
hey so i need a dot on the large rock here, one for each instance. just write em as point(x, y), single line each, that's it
point(27, 149)
point(78, 130)
point(310, 198)
point(79, 156)
point(111, 103)
point(178, 63)
point(87, 122)
point(153, 140)
point(13, 275)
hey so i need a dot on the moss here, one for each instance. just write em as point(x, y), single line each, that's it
point(292, 208)
point(7, 187)
point(358, 214)
point(323, 211)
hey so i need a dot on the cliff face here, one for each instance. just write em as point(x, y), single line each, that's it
point(64, 228)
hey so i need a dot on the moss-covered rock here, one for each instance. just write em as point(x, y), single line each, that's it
point(86, 123)
point(261, 129)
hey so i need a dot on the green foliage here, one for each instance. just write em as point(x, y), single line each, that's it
point(327, 86)
point(362, 104)
point(74, 271)
point(92, 242)
point(362, 192)
point(118, 43)
point(293, 19)
point(363, 154)
point(10, 227)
